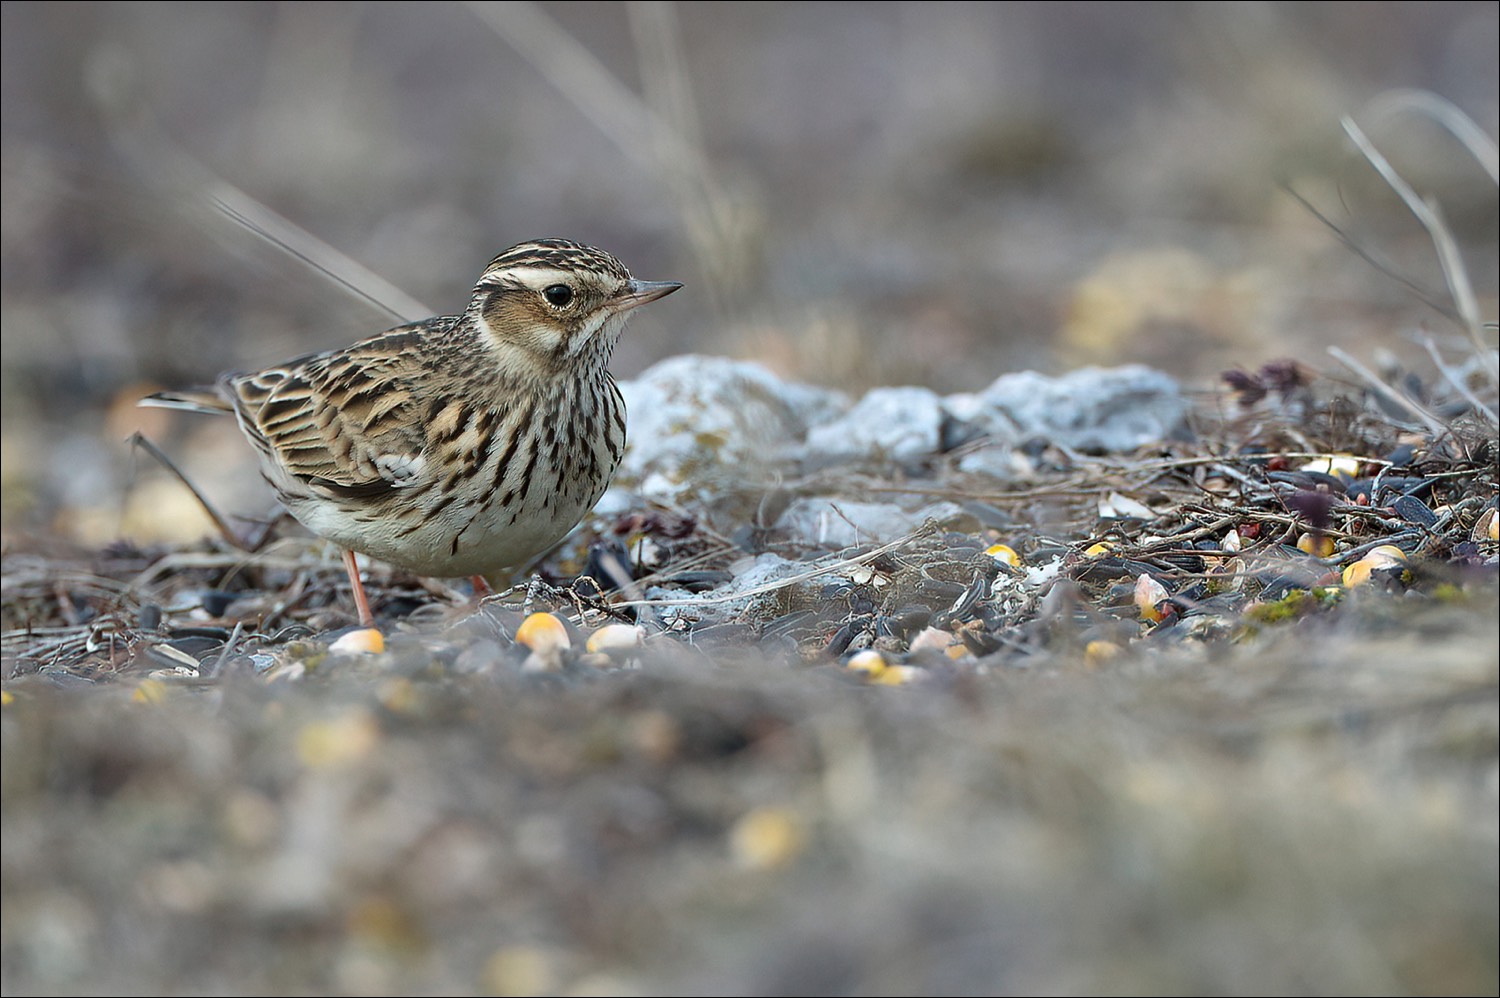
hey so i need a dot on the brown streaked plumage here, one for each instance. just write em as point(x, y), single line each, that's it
point(459, 445)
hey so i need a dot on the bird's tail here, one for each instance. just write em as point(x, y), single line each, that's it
point(205, 401)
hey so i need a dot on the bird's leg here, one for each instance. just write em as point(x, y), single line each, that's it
point(366, 618)
point(535, 589)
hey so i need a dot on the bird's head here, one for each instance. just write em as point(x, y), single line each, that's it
point(560, 303)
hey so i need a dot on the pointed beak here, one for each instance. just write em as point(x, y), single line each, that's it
point(638, 293)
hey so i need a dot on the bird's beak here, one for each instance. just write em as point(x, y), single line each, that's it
point(638, 293)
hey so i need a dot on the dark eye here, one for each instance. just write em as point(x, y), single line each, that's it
point(558, 295)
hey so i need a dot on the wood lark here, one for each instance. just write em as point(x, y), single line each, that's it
point(459, 445)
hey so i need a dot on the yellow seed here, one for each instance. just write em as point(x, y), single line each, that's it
point(547, 637)
point(869, 662)
point(1149, 594)
point(1096, 653)
point(1385, 556)
point(766, 838)
point(614, 638)
point(521, 970)
point(366, 641)
point(899, 675)
point(381, 923)
point(1317, 545)
point(1341, 465)
point(543, 633)
point(1101, 548)
point(338, 741)
point(1004, 554)
point(399, 696)
point(149, 691)
point(1356, 574)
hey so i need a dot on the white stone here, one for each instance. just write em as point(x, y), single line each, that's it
point(696, 421)
point(898, 424)
point(1091, 409)
point(839, 523)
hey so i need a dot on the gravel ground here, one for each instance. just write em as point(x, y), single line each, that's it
point(978, 637)
point(829, 767)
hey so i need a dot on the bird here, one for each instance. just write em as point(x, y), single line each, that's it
point(460, 445)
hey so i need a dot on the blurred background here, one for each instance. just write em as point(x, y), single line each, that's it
point(855, 194)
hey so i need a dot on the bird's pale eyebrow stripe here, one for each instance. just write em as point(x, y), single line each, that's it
point(535, 278)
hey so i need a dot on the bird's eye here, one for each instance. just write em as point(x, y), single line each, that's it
point(558, 295)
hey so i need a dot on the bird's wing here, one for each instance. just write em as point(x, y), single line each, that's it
point(347, 423)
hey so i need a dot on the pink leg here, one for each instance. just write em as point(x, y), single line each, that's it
point(366, 618)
